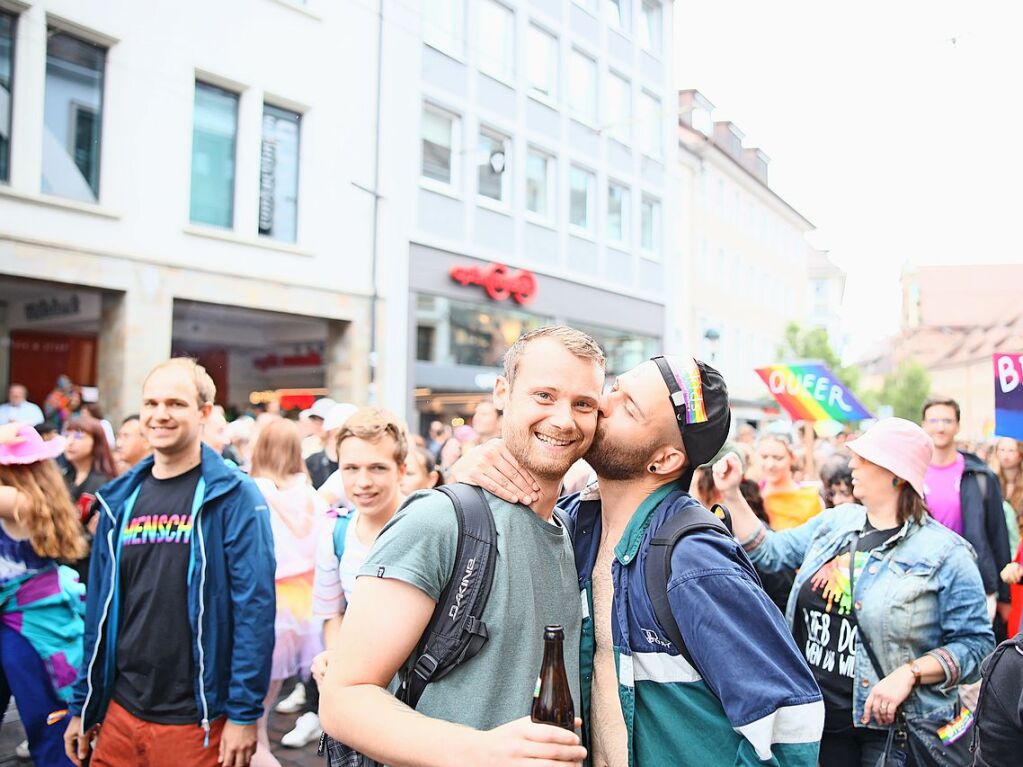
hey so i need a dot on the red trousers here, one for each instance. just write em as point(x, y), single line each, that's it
point(126, 741)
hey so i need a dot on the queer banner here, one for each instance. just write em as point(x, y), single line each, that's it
point(1009, 395)
point(810, 392)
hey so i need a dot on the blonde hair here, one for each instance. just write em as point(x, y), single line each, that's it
point(205, 389)
point(277, 454)
point(373, 423)
point(575, 341)
point(45, 509)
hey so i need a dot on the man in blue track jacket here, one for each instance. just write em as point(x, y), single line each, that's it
point(180, 612)
point(748, 698)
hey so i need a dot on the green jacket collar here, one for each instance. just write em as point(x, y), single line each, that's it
point(627, 547)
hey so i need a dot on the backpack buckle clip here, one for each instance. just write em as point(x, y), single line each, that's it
point(426, 666)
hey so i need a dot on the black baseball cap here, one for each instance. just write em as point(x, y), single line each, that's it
point(699, 398)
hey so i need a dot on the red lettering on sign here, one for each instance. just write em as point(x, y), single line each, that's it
point(498, 281)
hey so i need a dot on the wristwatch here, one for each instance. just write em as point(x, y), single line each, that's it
point(916, 671)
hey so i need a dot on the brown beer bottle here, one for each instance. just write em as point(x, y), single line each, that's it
point(552, 698)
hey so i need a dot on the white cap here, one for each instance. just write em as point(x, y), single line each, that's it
point(337, 416)
point(320, 409)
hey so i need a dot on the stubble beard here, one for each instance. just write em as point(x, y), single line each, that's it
point(520, 445)
point(616, 461)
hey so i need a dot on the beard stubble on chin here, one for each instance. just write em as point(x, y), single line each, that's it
point(616, 461)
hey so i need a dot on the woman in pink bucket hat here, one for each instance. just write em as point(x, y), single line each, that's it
point(42, 604)
point(887, 607)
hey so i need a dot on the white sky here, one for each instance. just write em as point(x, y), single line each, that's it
point(898, 144)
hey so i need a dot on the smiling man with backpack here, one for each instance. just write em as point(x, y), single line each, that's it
point(474, 713)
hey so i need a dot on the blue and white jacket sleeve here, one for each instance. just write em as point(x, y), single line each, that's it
point(745, 653)
point(248, 544)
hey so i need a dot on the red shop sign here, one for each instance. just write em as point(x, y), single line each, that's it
point(498, 281)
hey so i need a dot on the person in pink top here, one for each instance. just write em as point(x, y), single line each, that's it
point(297, 518)
point(963, 494)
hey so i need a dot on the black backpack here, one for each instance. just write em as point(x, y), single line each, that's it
point(455, 633)
point(691, 519)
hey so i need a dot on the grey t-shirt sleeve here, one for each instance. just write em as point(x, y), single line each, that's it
point(418, 546)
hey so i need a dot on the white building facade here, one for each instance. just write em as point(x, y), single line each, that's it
point(745, 252)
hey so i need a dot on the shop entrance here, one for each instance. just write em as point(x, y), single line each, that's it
point(47, 330)
point(256, 358)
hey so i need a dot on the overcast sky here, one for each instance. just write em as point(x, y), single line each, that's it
point(894, 126)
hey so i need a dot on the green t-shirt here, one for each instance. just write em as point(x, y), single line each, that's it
point(535, 584)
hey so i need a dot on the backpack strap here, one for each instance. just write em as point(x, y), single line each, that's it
point(566, 521)
point(456, 633)
point(340, 531)
point(657, 572)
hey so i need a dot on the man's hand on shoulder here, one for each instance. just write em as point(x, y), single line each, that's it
point(524, 743)
point(492, 467)
point(237, 744)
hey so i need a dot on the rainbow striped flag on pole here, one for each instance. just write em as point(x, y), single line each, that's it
point(810, 392)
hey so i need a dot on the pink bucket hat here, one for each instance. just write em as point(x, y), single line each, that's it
point(31, 449)
point(898, 445)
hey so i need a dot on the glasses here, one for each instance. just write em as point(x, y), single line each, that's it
point(940, 421)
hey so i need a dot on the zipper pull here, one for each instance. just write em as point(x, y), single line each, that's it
point(206, 730)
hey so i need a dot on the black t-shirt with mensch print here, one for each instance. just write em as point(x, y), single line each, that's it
point(826, 632)
point(155, 668)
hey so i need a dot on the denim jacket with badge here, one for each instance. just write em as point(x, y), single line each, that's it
point(920, 592)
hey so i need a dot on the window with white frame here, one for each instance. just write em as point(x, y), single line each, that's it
point(650, 34)
point(444, 25)
point(495, 39)
point(582, 95)
point(540, 185)
point(440, 136)
point(617, 213)
point(650, 227)
point(650, 122)
point(582, 186)
point(619, 108)
point(619, 14)
point(493, 161)
point(542, 62)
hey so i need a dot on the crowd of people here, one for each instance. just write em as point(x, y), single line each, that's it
point(163, 584)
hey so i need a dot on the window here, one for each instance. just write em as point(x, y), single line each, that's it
point(495, 40)
point(492, 162)
point(540, 185)
point(582, 97)
point(278, 174)
point(438, 146)
point(6, 68)
point(72, 116)
point(443, 24)
point(619, 108)
point(590, 5)
point(650, 226)
point(650, 121)
point(542, 62)
point(618, 14)
point(617, 213)
point(581, 189)
point(650, 27)
point(214, 138)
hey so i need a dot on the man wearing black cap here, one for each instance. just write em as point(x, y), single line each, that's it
point(747, 697)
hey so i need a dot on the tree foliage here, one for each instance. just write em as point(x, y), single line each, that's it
point(905, 391)
point(813, 344)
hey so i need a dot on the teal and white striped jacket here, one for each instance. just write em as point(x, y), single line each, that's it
point(749, 700)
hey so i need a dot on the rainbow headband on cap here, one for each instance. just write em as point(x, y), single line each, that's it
point(685, 387)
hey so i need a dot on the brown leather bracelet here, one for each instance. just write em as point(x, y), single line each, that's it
point(916, 671)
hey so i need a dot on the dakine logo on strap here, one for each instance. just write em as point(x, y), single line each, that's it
point(652, 638)
point(463, 589)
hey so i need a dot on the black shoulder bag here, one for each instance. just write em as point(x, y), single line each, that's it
point(917, 737)
point(455, 633)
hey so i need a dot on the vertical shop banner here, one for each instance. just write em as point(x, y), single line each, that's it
point(1009, 395)
point(810, 392)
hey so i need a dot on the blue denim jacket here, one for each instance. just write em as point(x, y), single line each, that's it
point(920, 593)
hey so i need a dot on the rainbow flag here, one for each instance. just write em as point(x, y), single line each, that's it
point(810, 392)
